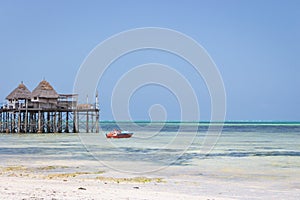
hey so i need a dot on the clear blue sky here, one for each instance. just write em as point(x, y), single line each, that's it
point(255, 44)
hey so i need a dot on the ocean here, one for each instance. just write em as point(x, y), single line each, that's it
point(265, 154)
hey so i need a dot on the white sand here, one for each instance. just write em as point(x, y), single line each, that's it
point(28, 188)
point(36, 182)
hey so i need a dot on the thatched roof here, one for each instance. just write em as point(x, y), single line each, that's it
point(44, 90)
point(21, 92)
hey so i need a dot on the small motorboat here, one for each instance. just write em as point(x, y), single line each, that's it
point(119, 134)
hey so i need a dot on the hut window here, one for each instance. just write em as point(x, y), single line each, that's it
point(35, 98)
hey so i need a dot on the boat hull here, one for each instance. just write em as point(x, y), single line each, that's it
point(121, 135)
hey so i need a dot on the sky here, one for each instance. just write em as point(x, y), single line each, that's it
point(254, 44)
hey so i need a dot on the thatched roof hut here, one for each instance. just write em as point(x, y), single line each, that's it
point(21, 92)
point(44, 90)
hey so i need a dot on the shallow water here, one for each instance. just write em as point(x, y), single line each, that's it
point(260, 152)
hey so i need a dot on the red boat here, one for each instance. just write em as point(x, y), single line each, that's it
point(119, 134)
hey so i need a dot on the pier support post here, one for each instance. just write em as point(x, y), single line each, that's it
point(59, 122)
point(40, 122)
point(87, 121)
point(23, 119)
point(30, 121)
point(74, 122)
point(7, 123)
point(10, 129)
point(97, 122)
point(34, 123)
point(48, 122)
point(14, 123)
point(54, 123)
point(67, 123)
point(26, 117)
point(19, 122)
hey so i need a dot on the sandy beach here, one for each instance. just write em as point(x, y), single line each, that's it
point(75, 182)
point(20, 182)
point(24, 188)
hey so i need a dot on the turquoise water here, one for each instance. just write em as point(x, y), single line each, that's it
point(238, 139)
point(242, 149)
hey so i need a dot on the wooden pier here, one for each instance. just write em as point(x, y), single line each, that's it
point(45, 111)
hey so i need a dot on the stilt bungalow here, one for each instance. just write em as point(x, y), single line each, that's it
point(45, 111)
